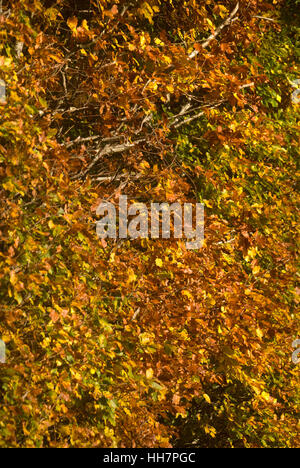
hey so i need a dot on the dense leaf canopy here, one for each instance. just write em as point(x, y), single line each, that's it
point(143, 343)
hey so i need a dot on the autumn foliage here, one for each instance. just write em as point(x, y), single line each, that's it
point(144, 343)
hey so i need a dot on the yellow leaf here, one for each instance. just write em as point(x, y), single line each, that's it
point(187, 294)
point(65, 430)
point(210, 430)
point(207, 203)
point(147, 11)
point(6, 338)
point(52, 13)
point(153, 85)
point(210, 23)
point(51, 224)
point(252, 252)
point(159, 262)
point(265, 396)
point(167, 59)
point(18, 297)
point(149, 373)
point(146, 338)
point(13, 278)
point(158, 42)
point(56, 58)
point(143, 40)
point(72, 23)
point(144, 165)
point(9, 186)
point(85, 25)
point(131, 276)
point(206, 398)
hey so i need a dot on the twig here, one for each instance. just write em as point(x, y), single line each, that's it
point(225, 242)
point(64, 82)
point(247, 85)
point(265, 18)
point(136, 313)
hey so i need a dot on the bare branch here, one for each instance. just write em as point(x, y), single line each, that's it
point(190, 119)
point(79, 140)
point(106, 151)
point(120, 177)
point(187, 109)
point(247, 85)
point(227, 22)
